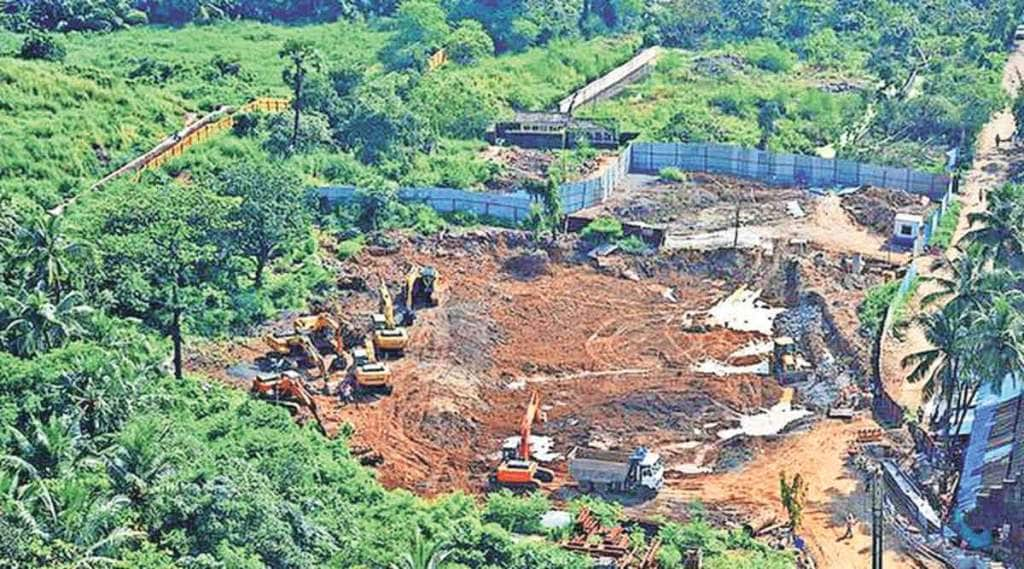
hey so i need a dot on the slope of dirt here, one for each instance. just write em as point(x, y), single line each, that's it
point(609, 356)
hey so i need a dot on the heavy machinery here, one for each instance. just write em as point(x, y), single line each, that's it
point(283, 346)
point(287, 389)
point(517, 471)
point(638, 471)
point(387, 334)
point(322, 323)
point(422, 286)
point(369, 373)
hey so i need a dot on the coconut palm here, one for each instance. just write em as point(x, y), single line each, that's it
point(939, 365)
point(45, 252)
point(37, 324)
point(964, 281)
point(1000, 234)
point(423, 554)
point(137, 461)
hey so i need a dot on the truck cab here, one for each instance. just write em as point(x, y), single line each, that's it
point(650, 469)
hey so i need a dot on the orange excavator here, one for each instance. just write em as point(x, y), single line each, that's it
point(517, 470)
point(286, 389)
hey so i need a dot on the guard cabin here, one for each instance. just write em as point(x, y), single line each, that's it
point(907, 227)
point(551, 130)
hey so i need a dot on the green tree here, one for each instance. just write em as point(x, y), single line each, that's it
point(768, 113)
point(468, 43)
point(272, 216)
point(421, 28)
point(940, 365)
point(423, 554)
point(303, 59)
point(45, 253)
point(38, 325)
point(39, 45)
point(793, 493)
point(159, 248)
point(1000, 228)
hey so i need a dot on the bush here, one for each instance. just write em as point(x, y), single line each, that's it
point(515, 513)
point(468, 43)
point(876, 302)
point(351, 247)
point(602, 230)
point(672, 174)
point(769, 56)
point(943, 236)
point(632, 245)
point(38, 45)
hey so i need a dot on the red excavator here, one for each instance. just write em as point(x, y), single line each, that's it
point(517, 471)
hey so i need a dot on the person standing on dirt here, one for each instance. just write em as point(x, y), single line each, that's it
point(850, 522)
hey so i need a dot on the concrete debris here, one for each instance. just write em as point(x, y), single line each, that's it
point(743, 312)
point(753, 349)
point(794, 209)
point(770, 422)
point(748, 238)
point(718, 368)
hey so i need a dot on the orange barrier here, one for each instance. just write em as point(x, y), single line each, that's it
point(262, 104)
point(439, 58)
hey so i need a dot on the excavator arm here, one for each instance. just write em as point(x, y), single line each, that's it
point(526, 427)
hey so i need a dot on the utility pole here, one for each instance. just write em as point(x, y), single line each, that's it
point(736, 229)
point(877, 520)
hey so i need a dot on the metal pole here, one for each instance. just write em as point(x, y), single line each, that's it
point(876, 520)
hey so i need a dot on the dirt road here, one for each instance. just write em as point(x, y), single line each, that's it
point(834, 490)
point(991, 168)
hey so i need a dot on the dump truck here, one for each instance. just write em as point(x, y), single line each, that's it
point(615, 471)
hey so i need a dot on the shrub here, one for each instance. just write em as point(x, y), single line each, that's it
point(351, 247)
point(876, 302)
point(672, 174)
point(38, 45)
point(769, 56)
point(468, 43)
point(632, 245)
point(943, 236)
point(602, 230)
point(516, 513)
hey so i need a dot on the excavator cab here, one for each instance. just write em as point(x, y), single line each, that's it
point(422, 288)
point(369, 373)
point(322, 324)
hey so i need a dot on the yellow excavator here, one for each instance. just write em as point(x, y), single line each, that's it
point(288, 344)
point(388, 336)
point(370, 374)
point(422, 288)
point(322, 323)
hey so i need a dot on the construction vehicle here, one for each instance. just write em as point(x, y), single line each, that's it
point(422, 286)
point(371, 374)
point(787, 363)
point(286, 345)
point(517, 470)
point(286, 389)
point(322, 323)
point(388, 336)
point(638, 471)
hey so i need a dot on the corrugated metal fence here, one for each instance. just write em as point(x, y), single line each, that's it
point(514, 207)
point(782, 169)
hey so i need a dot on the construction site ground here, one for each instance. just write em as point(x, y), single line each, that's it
point(613, 348)
point(700, 213)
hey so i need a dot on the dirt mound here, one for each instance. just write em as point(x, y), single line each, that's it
point(528, 266)
point(876, 208)
point(516, 167)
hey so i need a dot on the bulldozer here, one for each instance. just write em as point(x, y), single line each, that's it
point(388, 336)
point(322, 323)
point(283, 346)
point(517, 470)
point(286, 389)
point(370, 374)
point(422, 286)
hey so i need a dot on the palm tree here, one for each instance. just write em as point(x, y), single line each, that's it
point(45, 252)
point(939, 365)
point(137, 461)
point(1001, 232)
point(965, 282)
point(37, 325)
point(304, 58)
point(423, 554)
